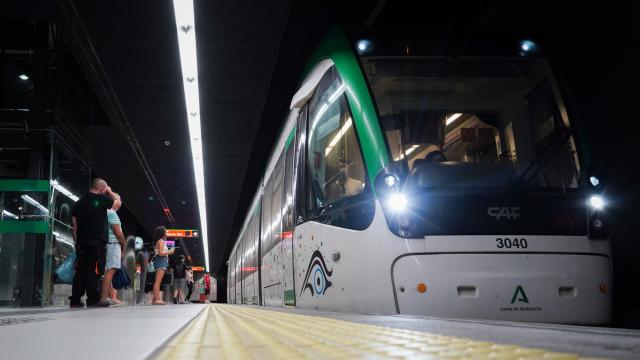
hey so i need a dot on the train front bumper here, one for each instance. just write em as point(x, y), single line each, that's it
point(557, 288)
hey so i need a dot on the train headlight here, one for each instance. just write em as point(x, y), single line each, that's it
point(527, 47)
point(391, 180)
point(398, 202)
point(596, 202)
point(594, 181)
point(364, 46)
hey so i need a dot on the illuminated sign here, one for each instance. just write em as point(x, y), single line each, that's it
point(197, 268)
point(171, 244)
point(182, 233)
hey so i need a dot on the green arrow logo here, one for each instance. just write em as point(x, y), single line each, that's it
point(519, 295)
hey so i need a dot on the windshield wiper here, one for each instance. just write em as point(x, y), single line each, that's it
point(543, 159)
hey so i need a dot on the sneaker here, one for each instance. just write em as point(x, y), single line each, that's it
point(79, 305)
point(111, 302)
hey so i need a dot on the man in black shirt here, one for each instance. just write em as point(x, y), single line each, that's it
point(89, 221)
point(179, 281)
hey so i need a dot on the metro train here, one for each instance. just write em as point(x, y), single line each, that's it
point(447, 181)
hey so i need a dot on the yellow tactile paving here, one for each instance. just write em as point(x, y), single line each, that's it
point(237, 332)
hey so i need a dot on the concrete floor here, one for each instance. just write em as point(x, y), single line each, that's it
point(107, 333)
point(138, 332)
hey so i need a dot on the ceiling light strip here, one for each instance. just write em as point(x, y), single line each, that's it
point(35, 203)
point(185, 26)
point(56, 185)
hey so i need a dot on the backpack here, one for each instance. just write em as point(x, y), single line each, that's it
point(121, 279)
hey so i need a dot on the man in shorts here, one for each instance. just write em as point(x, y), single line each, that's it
point(90, 235)
point(115, 247)
point(179, 280)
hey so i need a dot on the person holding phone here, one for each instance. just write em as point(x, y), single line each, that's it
point(160, 261)
point(90, 236)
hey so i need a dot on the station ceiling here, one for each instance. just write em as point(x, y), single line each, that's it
point(239, 49)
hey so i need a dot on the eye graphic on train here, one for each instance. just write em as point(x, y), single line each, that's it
point(317, 277)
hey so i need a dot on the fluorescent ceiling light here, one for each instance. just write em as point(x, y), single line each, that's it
point(63, 239)
point(453, 118)
point(406, 153)
point(338, 136)
point(185, 26)
point(56, 185)
point(6, 213)
point(23, 77)
point(33, 202)
point(411, 149)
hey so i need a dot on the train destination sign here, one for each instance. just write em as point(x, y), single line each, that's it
point(197, 268)
point(182, 233)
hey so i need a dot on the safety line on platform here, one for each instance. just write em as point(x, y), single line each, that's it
point(238, 332)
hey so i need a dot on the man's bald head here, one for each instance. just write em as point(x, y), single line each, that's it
point(98, 184)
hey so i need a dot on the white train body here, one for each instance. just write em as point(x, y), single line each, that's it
point(357, 252)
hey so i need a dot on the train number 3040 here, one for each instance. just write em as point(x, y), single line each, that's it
point(507, 243)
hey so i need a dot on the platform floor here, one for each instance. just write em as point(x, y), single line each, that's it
point(104, 333)
point(219, 331)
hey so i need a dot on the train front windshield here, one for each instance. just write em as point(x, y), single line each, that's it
point(475, 124)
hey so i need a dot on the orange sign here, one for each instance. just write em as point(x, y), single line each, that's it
point(197, 268)
point(182, 233)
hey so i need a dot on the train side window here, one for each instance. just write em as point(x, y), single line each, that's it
point(335, 166)
point(303, 203)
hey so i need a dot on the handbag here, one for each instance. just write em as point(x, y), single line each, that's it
point(121, 279)
point(66, 271)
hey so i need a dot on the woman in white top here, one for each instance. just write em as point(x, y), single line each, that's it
point(160, 261)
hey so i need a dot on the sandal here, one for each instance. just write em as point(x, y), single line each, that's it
point(158, 302)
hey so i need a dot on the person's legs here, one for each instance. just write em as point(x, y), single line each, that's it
point(156, 286)
point(176, 291)
point(112, 264)
point(78, 288)
point(183, 298)
point(106, 283)
point(189, 292)
point(113, 295)
point(92, 274)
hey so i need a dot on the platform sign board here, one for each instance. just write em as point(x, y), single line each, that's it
point(182, 233)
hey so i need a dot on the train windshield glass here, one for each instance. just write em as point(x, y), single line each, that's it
point(475, 123)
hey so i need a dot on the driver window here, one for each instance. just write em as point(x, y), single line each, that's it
point(335, 163)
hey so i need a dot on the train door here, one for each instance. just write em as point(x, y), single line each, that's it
point(238, 270)
point(272, 272)
point(231, 281)
point(288, 222)
point(300, 198)
point(232, 278)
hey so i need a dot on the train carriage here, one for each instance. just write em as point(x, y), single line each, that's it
point(428, 183)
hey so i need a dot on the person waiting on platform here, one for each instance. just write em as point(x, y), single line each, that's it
point(189, 279)
point(115, 247)
point(90, 236)
point(205, 288)
point(160, 261)
point(179, 280)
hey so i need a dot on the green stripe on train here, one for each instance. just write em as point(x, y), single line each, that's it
point(335, 46)
point(290, 138)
